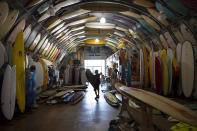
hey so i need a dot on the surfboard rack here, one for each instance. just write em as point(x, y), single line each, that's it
point(141, 111)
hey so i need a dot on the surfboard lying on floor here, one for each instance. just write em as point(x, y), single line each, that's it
point(111, 99)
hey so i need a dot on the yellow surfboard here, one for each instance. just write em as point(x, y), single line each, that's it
point(19, 61)
point(45, 74)
point(164, 72)
point(145, 68)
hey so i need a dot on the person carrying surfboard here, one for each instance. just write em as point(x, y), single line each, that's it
point(97, 83)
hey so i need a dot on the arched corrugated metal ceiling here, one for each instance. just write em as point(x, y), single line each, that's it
point(137, 22)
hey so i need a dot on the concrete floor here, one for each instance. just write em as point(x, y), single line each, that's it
point(87, 115)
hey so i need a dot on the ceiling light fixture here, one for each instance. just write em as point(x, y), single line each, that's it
point(97, 40)
point(102, 20)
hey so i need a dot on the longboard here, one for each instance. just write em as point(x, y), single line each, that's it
point(170, 40)
point(145, 68)
point(35, 42)
point(187, 68)
point(9, 22)
point(2, 54)
point(43, 46)
point(74, 14)
point(4, 9)
point(178, 34)
point(45, 74)
point(141, 68)
point(144, 3)
point(146, 25)
point(41, 42)
point(165, 11)
point(164, 72)
point(20, 26)
point(32, 3)
point(187, 34)
point(151, 22)
point(31, 37)
point(27, 32)
point(177, 6)
point(161, 103)
point(40, 75)
point(8, 92)
point(157, 15)
point(158, 75)
point(19, 61)
point(169, 64)
point(178, 57)
point(51, 11)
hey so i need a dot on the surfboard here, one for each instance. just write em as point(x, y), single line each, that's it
point(177, 34)
point(46, 48)
point(74, 14)
point(164, 72)
point(165, 11)
point(45, 74)
point(18, 60)
point(61, 93)
point(178, 57)
point(141, 68)
point(161, 103)
point(54, 23)
point(52, 10)
point(177, 6)
point(146, 25)
point(175, 79)
point(3, 54)
point(40, 75)
point(9, 22)
point(153, 71)
point(144, 3)
point(8, 92)
point(35, 42)
point(187, 68)
point(78, 96)
point(170, 41)
point(169, 64)
point(4, 9)
point(57, 28)
point(32, 3)
point(111, 99)
point(31, 37)
point(187, 34)
point(157, 15)
point(41, 42)
point(150, 68)
point(46, 52)
point(83, 77)
point(163, 41)
point(158, 75)
point(20, 26)
point(145, 68)
point(131, 14)
point(151, 22)
point(27, 32)
point(54, 58)
point(43, 46)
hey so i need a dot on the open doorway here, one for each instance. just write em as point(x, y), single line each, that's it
point(95, 65)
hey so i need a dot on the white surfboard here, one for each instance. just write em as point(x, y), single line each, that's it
point(39, 75)
point(27, 32)
point(187, 68)
point(170, 40)
point(187, 34)
point(83, 77)
point(8, 92)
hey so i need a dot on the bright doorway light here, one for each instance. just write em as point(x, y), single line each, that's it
point(97, 40)
point(102, 20)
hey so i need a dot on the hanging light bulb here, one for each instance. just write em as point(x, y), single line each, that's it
point(102, 20)
point(97, 40)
